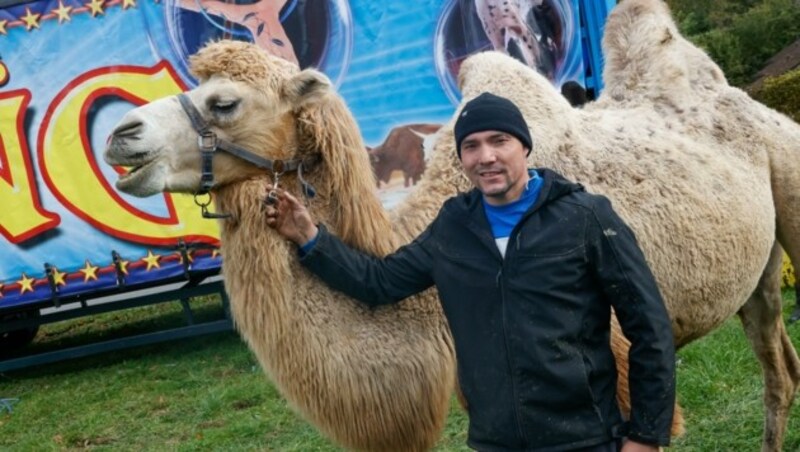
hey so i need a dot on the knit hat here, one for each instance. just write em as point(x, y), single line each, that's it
point(490, 112)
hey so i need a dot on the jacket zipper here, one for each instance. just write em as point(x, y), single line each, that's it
point(514, 391)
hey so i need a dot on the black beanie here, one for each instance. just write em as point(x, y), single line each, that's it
point(490, 112)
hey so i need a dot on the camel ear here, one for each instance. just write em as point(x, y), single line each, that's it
point(307, 85)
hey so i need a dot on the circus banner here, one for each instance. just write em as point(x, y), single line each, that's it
point(69, 70)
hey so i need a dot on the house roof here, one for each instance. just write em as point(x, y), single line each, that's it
point(780, 63)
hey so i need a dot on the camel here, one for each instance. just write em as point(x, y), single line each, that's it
point(368, 379)
point(703, 175)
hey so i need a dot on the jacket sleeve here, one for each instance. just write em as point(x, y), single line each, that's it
point(369, 279)
point(630, 287)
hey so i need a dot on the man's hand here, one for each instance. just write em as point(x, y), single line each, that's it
point(290, 218)
point(633, 446)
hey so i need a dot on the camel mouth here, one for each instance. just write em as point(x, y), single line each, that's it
point(140, 179)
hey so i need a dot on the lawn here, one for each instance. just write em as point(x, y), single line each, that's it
point(209, 394)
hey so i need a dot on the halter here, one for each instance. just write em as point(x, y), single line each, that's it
point(209, 143)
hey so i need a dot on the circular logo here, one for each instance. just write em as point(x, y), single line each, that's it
point(312, 33)
point(539, 33)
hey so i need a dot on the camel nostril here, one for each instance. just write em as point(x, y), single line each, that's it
point(127, 130)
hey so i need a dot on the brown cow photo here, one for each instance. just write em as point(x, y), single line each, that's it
point(405, 149)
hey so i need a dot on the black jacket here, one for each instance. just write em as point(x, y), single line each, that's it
point(531, 330)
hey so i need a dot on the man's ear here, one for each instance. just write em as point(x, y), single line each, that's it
point(308, 85)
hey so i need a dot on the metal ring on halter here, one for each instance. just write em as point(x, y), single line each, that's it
point(200, 203)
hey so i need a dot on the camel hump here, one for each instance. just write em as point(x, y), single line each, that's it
point(646, 57)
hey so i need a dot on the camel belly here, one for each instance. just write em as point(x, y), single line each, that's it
point(707, 241)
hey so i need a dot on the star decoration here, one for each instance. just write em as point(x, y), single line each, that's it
point(89, 272)
point(31, 20)
point(62, 12)
point(123, 266)
point(25, 284)
point(128, 4)
point(3, 27)
point(59, 278)
point(96, 7)
point(188, 255)
point(151, 260)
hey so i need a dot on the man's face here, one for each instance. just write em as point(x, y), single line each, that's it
point(496, 163)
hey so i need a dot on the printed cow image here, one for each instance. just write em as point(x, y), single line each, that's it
point(404, 149)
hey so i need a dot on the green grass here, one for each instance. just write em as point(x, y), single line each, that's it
point(209, 394)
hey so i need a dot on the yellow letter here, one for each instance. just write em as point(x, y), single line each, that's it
point(21, 217)
point(71, 171)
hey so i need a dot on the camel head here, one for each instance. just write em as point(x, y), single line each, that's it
point(278, 114)
point(245, 97)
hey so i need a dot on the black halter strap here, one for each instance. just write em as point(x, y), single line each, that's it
point(209, 143)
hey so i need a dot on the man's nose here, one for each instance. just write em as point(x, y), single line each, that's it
point(487, 154)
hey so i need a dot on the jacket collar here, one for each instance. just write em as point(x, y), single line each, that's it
point(554, 186)
point(468, 205)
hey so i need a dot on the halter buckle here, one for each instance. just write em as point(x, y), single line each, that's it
point(207, 140)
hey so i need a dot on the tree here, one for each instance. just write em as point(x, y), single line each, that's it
point(740, 35)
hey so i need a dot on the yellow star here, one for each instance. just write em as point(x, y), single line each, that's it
point(62, 12)
point(128, 4)
point(25, 284)
point(123, 266)
point(188, 255)
point(3, 27)
point(96, 7)
point(152, 260)
point(31, 20)
point(59, 278)
point(89, 272)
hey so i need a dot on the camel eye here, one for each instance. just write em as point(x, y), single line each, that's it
point(223, 107)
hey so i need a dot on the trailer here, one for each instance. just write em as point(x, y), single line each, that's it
point(72, 245)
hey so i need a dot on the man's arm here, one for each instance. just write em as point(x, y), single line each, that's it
point(630, 287)
point(369, 279)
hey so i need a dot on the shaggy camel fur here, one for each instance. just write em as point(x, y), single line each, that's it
point(374, 380)
point(706, 177)
point(702, 196)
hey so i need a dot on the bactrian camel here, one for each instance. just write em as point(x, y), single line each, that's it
point(698, 169)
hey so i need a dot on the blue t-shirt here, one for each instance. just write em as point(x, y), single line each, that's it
point(503, 218)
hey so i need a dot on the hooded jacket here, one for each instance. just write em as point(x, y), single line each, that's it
point(531, 329)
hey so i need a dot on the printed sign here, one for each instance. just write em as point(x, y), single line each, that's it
point(69, 70)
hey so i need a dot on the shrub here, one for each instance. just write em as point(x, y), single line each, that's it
point(744, 42)
point(783, 94)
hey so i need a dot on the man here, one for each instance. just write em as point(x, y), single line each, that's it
point(528, 266)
